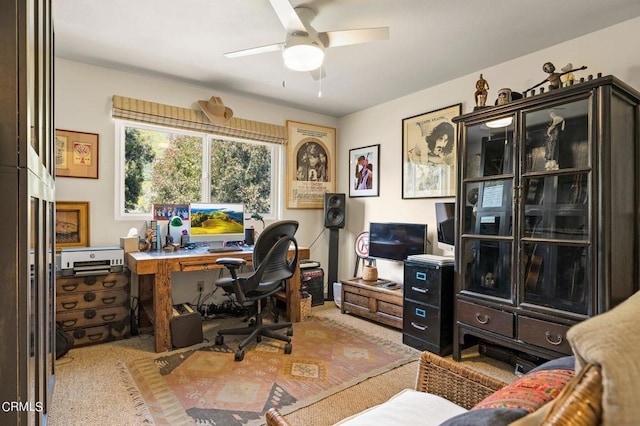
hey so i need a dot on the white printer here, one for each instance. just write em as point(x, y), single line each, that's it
point(91, 260)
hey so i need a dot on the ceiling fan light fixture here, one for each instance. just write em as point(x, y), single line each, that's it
point(302, 54)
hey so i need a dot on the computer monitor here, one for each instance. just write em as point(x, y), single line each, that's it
point(396, 241)
point(216, 223)
point(446, 220)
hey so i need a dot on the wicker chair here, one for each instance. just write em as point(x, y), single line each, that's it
point(439, 376)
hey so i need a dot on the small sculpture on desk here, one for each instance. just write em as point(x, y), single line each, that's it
point(551, 142)
point(554, 77)
point(480, 94)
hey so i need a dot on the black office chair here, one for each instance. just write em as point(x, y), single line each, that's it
point(271, 268)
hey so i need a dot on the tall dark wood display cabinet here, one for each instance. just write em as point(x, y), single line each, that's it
point(548, 213)
point(27, 251)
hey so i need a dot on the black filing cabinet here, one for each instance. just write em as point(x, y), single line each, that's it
point(428, 306)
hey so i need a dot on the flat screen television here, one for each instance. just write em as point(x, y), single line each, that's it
point(216, 223)
point(396, 241)
point(445, 222)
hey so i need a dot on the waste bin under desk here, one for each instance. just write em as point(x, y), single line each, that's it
point(371, 300)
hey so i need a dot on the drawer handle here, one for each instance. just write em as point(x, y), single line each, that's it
point(89, 297)
point(108, 300)
point(69, 323)
point(558, 341)
point(94, 337)
point(90, 280)
point(69, 305)
point(69, 287)
point(420, 290)
point(419, 326)
point(109, 284)
point(422, 276)
point(482, 319)
point(90, 314)
point(108, 317)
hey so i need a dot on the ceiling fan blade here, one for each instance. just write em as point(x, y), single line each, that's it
point(255, 50)
point(287, 15)
point(346, 37)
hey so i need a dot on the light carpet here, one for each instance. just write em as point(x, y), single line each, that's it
point(204, 385)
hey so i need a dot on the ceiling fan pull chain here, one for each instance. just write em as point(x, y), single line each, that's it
point(320, 84)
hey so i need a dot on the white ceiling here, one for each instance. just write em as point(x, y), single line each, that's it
point(431, 41)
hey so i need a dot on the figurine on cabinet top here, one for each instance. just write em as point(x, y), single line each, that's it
point(481, 92)
point(551, 144)
point(567, 78)
point(554, 77)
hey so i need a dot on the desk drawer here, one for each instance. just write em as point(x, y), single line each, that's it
point(100, 334)
point(422, 321)
point(422, 283)
point(544, 334)
point(92, 283)
point(485, 318)
point(91, 299)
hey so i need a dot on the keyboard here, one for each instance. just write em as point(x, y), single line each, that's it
point(432, 258)
point(223, 249)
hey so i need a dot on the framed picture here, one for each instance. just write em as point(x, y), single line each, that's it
point(76, 154)
point(364, 171)
point(311, 168)
point(429, 154)
point(72, 224)
point(167, 211)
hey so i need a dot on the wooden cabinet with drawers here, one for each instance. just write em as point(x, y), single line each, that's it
point(541, 242)
point(428, 307)
point(372, 300)
point(94, 308)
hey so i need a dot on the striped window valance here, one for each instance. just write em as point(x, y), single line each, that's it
point(190, 119)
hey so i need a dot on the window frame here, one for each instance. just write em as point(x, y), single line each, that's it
point(277, 167)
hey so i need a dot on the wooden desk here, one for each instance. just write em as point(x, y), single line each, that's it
point(154, 274)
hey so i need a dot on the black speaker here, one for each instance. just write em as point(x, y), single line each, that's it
point(334, 210)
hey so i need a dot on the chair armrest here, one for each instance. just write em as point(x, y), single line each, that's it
point(231, 262)
point(274, 418)
point(454, 381)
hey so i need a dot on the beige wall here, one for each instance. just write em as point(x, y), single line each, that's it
point(83, 102)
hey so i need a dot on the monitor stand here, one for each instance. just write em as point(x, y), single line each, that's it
point(216, 245)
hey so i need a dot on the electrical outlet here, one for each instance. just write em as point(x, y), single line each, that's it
point(200, 286)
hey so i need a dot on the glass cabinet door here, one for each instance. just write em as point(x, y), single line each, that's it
point(487, 221)
point(555, 207)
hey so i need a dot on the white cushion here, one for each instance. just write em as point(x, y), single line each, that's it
point(408, 407)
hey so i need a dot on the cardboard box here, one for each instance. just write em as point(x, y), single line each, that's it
point(129, 244)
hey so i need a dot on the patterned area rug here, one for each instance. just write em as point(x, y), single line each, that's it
point(205, 386)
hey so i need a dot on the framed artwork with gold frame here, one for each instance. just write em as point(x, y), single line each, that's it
point(76, 154)
point(311, 167)
point(72, 224)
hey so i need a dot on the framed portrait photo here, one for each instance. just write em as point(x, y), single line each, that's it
point(429, 154)
point(72, 224)
point(364, 171)
point(311, 168)
point(76, 154)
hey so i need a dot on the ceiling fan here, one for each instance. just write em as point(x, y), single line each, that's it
point(303, 48)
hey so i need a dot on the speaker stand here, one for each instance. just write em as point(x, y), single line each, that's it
point(332, 273)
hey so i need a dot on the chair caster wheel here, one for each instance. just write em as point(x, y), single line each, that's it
point(239, 356)
point(219, 340)
point(287, 349)
point(290, 331)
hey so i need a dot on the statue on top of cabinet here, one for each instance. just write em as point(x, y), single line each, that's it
point(551, 143)
point(554, 77)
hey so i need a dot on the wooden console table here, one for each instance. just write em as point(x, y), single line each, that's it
point(370, 299)
point(154, 276)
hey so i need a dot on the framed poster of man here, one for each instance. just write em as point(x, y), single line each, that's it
point(429, 154)
point(364, 171)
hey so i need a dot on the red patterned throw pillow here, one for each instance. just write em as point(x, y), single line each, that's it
point(529, 392)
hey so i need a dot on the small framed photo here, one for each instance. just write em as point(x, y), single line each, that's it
point(72, 224)
point(76, 154)
point(364, 171)
point(429, 154)
point(167, 211)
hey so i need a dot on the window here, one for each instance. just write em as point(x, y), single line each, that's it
point(163, 165)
